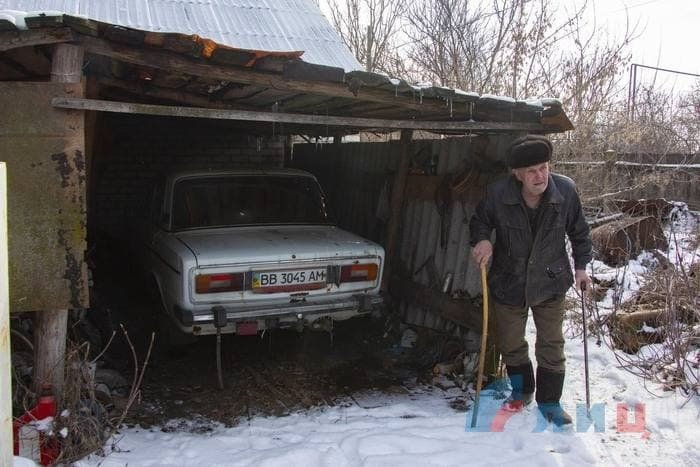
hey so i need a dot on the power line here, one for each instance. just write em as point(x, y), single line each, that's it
point(626, 8)
point(666, 70)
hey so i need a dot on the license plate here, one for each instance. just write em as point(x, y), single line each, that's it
point(289, 280)
point(247, 328)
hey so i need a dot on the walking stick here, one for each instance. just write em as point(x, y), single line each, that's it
point(484, 333)
point(585, 348)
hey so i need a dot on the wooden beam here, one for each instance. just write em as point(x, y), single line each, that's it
point(173, 95)
point(397, 197)
point(67, 64)
point(51, 326)
point(5, 364)
point(423, 188)
point(177, 63)
point(15, 39)
point(300, 119)
point(18, 67)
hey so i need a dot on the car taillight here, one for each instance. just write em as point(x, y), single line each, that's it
point(216, 283)
point(358, 273)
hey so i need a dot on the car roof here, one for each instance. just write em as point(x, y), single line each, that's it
point(233, 172)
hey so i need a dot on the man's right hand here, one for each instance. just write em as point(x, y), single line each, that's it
point(482, 252)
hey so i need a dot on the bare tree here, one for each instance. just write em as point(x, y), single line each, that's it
point(370, 28)
point(447, 42)
point(664, 122)
point(521, 48)
point(588, 76)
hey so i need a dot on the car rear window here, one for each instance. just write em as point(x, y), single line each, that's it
point(248, 200)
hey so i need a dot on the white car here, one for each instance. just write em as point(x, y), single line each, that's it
point(248, 250)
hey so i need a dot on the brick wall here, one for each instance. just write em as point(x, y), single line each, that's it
point(131, 152)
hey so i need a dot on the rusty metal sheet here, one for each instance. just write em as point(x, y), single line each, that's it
point(428, 236)
point(44, 149)
point(657, 207)
point(618, 241)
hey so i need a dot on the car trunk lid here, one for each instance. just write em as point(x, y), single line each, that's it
point(274, 244)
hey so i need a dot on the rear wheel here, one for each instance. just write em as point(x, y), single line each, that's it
point(169, 339)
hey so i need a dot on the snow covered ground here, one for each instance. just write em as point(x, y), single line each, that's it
point(628, 424)
point(420, 428)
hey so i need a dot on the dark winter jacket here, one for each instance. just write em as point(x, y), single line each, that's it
point(530, 265)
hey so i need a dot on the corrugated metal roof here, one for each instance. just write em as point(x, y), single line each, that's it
point(263, 80)
point(274, 25)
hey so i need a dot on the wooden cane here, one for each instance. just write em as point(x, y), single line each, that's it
point(484, 333)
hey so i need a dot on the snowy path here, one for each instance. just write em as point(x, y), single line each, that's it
point(420, 428)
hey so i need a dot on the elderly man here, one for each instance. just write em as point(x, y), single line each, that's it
point(532, 212)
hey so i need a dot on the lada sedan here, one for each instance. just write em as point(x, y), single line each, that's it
point(249, 250)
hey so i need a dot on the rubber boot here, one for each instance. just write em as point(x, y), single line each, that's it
point(522, 380)
point(549, 387)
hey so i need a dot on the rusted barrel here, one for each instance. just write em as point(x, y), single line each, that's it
point(655, 207)
point(619, 241)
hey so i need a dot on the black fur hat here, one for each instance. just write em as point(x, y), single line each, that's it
point(529, 150)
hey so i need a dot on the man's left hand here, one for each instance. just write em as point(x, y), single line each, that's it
point(582, 281)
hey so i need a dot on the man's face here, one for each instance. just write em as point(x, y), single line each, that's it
point(534, 178)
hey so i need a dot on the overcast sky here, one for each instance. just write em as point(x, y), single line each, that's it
point(667, 31)
point(668, 35)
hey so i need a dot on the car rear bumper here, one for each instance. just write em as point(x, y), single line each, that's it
point(268, 316)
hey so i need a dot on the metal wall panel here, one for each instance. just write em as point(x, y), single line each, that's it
point(353, 174)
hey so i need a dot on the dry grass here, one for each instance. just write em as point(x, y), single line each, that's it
point(85, 418)
point(665, 312)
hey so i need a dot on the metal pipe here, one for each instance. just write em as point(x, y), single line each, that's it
point(585, 348)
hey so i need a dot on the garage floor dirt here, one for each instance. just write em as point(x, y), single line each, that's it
point(272, 376)
point(275, 373)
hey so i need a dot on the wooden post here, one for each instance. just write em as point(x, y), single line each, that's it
point(397, 197)
point(67, 64)
point(5, 369)
point(51, 326)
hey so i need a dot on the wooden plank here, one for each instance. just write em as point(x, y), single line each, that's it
point(396, 204)
point(461, 312)
point(15, 39)
point(14, 69)
point(173, 95)
point(5, 364)
point(302, 119)
point(31, 62)
point(51, 326)
point(300, 70)
point(176, 63)
point(424, 187)
point(43, 20)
